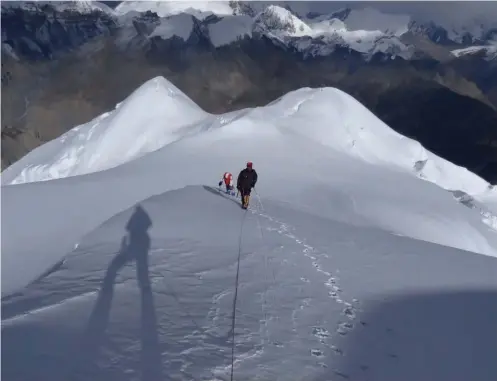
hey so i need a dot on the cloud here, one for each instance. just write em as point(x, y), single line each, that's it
point(452, 12)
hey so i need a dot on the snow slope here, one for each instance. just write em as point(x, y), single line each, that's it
point(148, 294)
point(490, 51)
point(316, 29)
point(103, 143)
point(81, 6)
point(318, 150)
point(199, 9)
point(277, 22)
point(461, 21)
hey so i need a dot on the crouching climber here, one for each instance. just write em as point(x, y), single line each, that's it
point(228, 182)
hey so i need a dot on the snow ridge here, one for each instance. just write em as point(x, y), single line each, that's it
point(317, 36)
point(348, 127)
point(80, 6)
point(368, 31)
point(114, 137)
point(322, 131)
point(490, 51)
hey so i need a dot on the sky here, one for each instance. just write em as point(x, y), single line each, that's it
point(450, 11)
point(455, 11)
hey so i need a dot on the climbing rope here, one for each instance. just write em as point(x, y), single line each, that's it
point(233, 317)
point(264, 302)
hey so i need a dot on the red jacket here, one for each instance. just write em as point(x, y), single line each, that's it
point(228, 178)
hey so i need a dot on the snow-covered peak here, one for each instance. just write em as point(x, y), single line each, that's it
point(199, 9)
point(281, 22)
point(80, 6)
point(155, 114)
point(489, 51)
point(470, 31)
point(84, 6)
point(311, 36)
point(158, 113)
point(368, 30)
point(318, 150)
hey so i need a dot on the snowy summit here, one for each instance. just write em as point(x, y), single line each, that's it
point(345, 212)
point(331, 146)
point(299, 26)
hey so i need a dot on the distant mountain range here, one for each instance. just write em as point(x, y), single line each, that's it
point(66, 62)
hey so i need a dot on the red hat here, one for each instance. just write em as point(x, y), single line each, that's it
point(249, 164)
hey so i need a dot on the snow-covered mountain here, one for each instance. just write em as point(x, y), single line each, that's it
point(295, 25)
point(354, 233)
point(489, 52)
point(80, 6)
point(42, 29)
point(368, 30)
point(245, 58)
point(316, 36)
point(342, 162)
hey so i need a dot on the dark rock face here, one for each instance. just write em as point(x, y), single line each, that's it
point(480, 70)
point(463, 129)
point(42, 32)
point(442, 105)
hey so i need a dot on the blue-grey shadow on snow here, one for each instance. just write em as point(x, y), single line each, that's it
point(221, 194)
point(134, 247)
point(438, 336)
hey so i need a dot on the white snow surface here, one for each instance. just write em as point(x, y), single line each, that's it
point(461, 20)
point(199, 9)
point(378, 32)
point(148, 295)
point(367, 31)
point(81, 6)
point(489, 50)
point(477, 28)
point(318, 150)
point(154, 115)
point(285, 17)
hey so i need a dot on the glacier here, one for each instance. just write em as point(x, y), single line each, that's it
point(119, 252)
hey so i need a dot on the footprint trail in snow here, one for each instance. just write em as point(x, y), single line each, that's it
point(331, 282)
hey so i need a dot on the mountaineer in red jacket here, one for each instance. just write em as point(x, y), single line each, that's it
point(228, 181)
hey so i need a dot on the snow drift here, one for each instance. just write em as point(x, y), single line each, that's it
point(318, 150)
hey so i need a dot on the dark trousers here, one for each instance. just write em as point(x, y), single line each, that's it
point(245, 196)
point(245, 191)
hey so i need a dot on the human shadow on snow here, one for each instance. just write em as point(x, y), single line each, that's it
point(135, 246)
point(219, 193)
